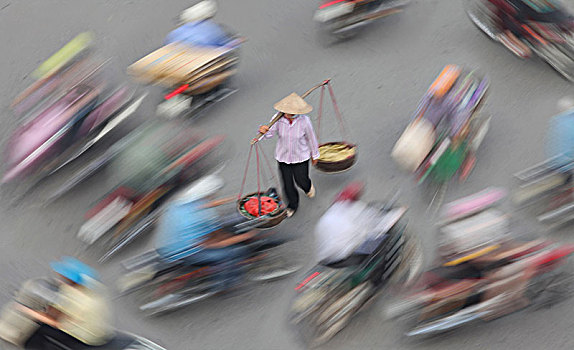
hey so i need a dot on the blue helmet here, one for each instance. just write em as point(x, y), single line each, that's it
point(74, 270)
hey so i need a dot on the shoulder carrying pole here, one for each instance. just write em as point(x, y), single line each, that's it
point(280, 114)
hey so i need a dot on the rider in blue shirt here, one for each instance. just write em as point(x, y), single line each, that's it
point(201, 33)
point(198, 28)
point(191, 232)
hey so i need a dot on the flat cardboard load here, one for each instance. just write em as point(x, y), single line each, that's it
point(208, 71)
point(177, 63)
point(207, 84)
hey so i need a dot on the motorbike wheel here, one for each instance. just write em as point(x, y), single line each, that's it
point(481, 16)
point(411, 266)
point(172, 302)
point(329, 333)
point(175, 107)
point(559, 61)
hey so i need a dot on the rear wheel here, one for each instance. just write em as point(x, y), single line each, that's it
point(482, 17)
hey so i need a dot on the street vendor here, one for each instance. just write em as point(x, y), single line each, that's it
point(297, 143)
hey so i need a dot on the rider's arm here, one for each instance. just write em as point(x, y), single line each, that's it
point(46, 318)
point(221, 240)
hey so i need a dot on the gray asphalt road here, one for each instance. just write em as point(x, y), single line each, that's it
point(379, 78)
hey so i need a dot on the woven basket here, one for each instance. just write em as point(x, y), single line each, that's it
point(342, 165)
point(276, 217)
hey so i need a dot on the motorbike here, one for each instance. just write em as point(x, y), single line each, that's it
point(483, 272)
point(200, 77)
point(69, 109)
point(16, 327)
point(344, 19)
point(448, 127)
point(148, 167)
point(545, 190)
point(164, 283)
point(332, 294)
point(550, 37)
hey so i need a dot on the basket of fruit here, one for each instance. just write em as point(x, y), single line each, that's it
point(268, 204)
point(336, 157)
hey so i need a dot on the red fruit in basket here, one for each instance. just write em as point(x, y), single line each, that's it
point(268, 205)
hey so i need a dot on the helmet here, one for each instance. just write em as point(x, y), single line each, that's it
point(565, 104)
point(74, 270)
point(351, 192)
point(200, 189)
point(199, 12)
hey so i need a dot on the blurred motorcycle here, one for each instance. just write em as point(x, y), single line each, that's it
point(149, 166)
point(344, 19)
point(16, 326)
point(542, 27)
point(545, 189)
point(164, 281)
point(162, 286)
point(70, 108)
point(484, 272)
point(332, 293)
point(447, 130)
point(196, 63)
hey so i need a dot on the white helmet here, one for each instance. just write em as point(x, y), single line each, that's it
point(565, 104)
point(200, 189)
point(199, 12)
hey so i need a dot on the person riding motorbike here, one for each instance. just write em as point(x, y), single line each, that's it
point(346, 227)
point(79, 313)
point(193, 232)
point(512, 15)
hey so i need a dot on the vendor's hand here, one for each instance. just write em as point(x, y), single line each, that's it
point(314, 161)
point(263, 129)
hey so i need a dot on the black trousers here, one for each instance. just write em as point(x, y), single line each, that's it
point(291, 174)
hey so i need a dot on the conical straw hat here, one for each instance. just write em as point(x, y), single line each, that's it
point(293, 104)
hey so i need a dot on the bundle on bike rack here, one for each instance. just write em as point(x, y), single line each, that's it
point(195, 69)
point(447, 129)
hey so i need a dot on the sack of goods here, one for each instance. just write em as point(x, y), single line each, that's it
point(414, 145)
